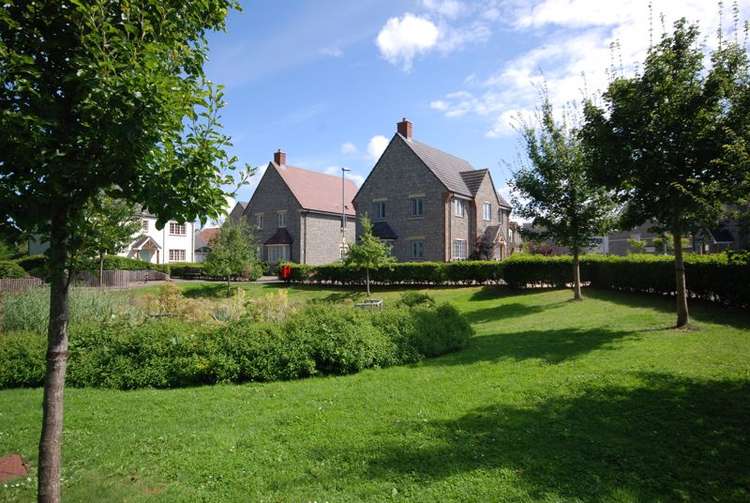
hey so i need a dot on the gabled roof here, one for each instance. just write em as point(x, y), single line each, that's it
point(280, 237)
point(473, 179)
point(502, 200)
point(204, 236)
point(383, 231)
point(145, 242)
point(316, 191)
point(446, 167)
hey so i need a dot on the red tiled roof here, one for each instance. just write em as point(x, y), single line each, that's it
point(318, 191)
point(206, 235)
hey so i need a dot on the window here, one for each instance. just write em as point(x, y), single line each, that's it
point(144, 225)
point(417, 248)
point(281, 219)
point(277, 253)
point(177, 255)
point(259, 220)
point(380, 210)
point(487, 211)
point(459, 207)
point(176, 229)
point(417, 206)
point(459, 248)
point(500, 216)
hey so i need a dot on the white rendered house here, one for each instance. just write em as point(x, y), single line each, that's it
point(174, 243)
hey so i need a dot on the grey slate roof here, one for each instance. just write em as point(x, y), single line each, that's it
point(280, 237)
point(503, 202)
point(473, 179)
point(383, 231)
point(446, 167)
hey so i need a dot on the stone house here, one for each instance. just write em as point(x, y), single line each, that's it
point(431, 205)
point(296, 214)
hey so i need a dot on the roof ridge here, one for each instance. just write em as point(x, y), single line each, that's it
point(439, 150)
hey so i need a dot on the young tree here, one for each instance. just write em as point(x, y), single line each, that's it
point(667, 140)
point(556, 191)
point(102, 95)
point(368, 253)
point(232, 252)
point(108, 226)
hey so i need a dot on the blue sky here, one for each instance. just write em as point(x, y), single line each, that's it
point(327, 80)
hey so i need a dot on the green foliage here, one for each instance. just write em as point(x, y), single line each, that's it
point(368, 253)
point(187, 270)
point(232, 251)
point(36, 265)
point(10, 269)
point(636, 245)
point(556, 190)
point(412, 299)
point(658, 162)
point(29, 311)
point(323, 339)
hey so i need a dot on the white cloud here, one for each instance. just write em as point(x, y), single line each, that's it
point(402, 39)
point(334, 52)
point(354, 177)
point(575, 57)
point(376, 146)
point(447, 8)
point(349, 148)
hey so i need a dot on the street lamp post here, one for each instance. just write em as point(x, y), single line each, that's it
point(343, 200)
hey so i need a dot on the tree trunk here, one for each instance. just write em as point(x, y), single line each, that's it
point(50, 443)
point(101, 270)
point(576, 276)
point(679, 268)
point(367, 281)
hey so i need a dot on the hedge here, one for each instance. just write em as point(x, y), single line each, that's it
point(166, 353)
point(36, 265)
point(723, 278)
point(9, 269)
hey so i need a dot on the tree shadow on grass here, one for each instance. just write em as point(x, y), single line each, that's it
point(508, 310)
point(552, 346)
point(668, 438)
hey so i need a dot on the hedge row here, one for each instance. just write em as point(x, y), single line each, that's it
point(718, 278)
point(9, 269)
point(164, 353)
point(36, 265)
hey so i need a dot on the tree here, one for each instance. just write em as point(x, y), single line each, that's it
point(108, 226)
point(556, 191)
point(670, 141)
point(103, 96)
point(232, 252)
point(368, 253)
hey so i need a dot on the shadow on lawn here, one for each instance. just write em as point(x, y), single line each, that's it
point(668, 438)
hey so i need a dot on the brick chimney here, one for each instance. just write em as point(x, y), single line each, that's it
point(279, 157)
point(404, 128)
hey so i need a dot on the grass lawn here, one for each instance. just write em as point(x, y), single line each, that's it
point(553, 401)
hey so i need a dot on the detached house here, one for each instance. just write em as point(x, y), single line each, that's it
point(297, 214)
point(431, 205)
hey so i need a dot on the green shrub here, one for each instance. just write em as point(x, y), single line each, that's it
point(412, 299)
point(35, 265)
point(29, 311)
point(166, 353)
point(10, 269)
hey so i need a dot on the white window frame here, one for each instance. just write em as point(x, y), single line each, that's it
point(173, 255)
point(459, 207)
point(417, 206)
point(487, 211)
point(176, 229)
point(413, 248)
point(259, 220)
point(281, 219)
point(459, 249)
point(274, 257)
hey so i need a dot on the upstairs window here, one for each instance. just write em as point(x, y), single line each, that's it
point(259, 220)
point(487, 211)
point(459, 207)
point(417, 206)
point(281, 219)
point(380, 210)
point(144, 225)
point(176, 229)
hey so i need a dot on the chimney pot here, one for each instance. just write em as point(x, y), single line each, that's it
point(404, 128)
point(279, 157)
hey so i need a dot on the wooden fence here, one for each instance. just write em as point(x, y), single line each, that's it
point(110, 279)
point(19, 285)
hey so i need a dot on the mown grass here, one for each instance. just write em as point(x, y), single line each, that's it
point(553, 401)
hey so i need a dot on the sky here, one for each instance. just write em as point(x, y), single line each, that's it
point(327, 80)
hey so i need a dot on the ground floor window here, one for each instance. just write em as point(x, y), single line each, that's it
point(277, 253)
point(177, 255)
point(459, 249)
point(417, 248)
